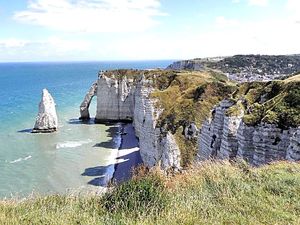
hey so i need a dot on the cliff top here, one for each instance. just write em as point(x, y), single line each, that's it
point(188, 97)
point(275, 102)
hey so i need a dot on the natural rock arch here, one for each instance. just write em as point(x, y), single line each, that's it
point(84, 107)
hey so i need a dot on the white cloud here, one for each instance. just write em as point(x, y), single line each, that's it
point(92, 15)
point(258, 2)
point(293, 8)
point(50, 48)
point(12, 43)
point(293, 5)
point(221, 21)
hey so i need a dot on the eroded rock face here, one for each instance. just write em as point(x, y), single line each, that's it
point(211, 135)
point(225, 137)
point(84, 107)
point(46, 120)
point(270, 143)
point(123, 99)
point(114, 99)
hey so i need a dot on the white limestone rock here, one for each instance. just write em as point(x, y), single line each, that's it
point(155, 147)
point(170, 152)
point(229, 143)
point(84, 107)
point(227, 137)
point(210, 138)
point(245, 142)
point(130, 100)
point(114, 99)
point(46, 121)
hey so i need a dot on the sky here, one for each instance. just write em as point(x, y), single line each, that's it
point(84, 30)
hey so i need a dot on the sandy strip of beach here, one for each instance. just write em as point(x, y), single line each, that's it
point(128, 155)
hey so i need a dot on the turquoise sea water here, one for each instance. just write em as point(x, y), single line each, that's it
point(50, 163)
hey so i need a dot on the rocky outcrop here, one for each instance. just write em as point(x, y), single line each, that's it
point(46, 120)
point(123, 98)
point(227, 137)
point(156, 146)
point(84, 107)
point(191, 131)
point(211, 134)
point(115, 99)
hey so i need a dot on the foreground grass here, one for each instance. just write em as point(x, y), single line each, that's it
point(213, 193)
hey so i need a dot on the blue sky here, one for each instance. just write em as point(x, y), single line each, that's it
point(62, 30)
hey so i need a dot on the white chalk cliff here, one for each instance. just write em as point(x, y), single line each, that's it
point(124, 99)
point(46, 120)
point(227, 137)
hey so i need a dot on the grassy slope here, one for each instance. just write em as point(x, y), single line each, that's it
point(189, 98)
point(275, 102)
point(214, 193)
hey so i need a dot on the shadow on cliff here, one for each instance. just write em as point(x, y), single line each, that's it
point(117, 173)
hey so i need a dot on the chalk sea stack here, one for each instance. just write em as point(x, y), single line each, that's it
point(46, 121)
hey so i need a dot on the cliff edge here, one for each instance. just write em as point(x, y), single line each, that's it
point(181, 116)
point(161, 104)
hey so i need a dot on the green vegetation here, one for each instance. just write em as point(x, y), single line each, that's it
point(189, 98)
point(213, 193)
point(274, 102)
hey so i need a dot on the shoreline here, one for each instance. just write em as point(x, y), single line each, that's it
point(128, 156)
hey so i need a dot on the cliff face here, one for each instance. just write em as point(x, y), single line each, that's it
point(225, 137)
point(123, 97)
point(115, 98)
point(162, 106)
point(260, 124)
point(257, 121)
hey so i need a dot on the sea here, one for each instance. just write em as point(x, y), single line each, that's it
point(42, 164)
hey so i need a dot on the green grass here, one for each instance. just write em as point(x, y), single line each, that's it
point(274, 102)
point(189, 97)
point(213, 193)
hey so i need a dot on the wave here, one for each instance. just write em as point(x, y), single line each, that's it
point(21, 159)
point(72, 144)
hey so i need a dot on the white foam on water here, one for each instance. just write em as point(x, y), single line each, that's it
point(21, 159)
point(72, 144)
